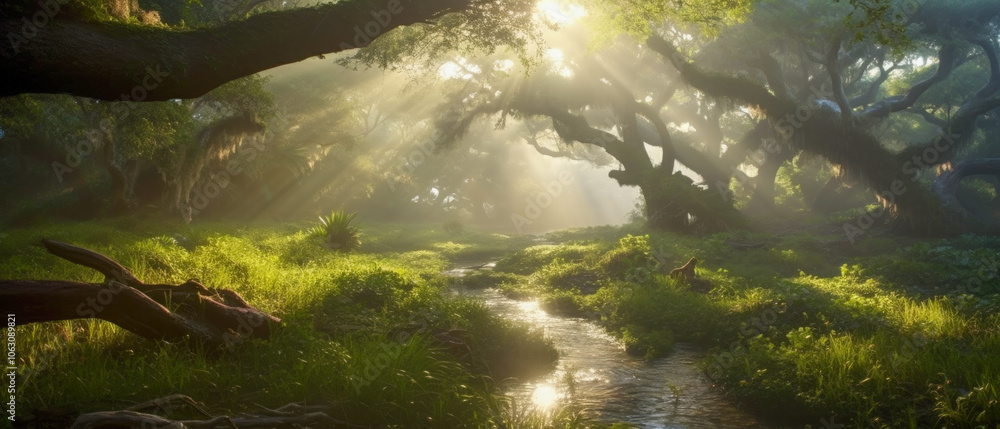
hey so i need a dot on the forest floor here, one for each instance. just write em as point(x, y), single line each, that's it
point(803, 324)
point(375, 334)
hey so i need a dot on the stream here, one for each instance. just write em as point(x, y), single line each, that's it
point(595, 374)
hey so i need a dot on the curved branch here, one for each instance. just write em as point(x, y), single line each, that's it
point(946, 186)
point(719, 85)
point(955, 135)
point(832, 64)
point(946, 63)
point(869, 95)
point(928, 116)
point(768, 65)
point(533, 142)
point(112, 270)
point(111, 61)
point(666, 143)
point(990, 50)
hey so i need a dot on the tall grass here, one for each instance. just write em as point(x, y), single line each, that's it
point(359, 329)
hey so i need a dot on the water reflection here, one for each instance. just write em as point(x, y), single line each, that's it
point(596, 375)
point(545, 397)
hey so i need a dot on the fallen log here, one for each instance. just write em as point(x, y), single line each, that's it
point(212, 317)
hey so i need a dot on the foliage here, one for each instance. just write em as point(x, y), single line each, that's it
point(532, 259)
point(634, 19)
point(484, 28)
point(337, 232)
point(890, 333)
point(359, 329)
point(883, 21)
point(632, 252)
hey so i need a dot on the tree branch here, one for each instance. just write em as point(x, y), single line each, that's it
point(666, 143)
point(946, 186)
point(718, 85)
point(112, 61)
point(990, 50)
point(768, 65)
point(533, 142)
point(832, 64)
point(927, 116)
point(946, 63)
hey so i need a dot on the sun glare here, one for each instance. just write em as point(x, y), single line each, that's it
point(559, 13)
point(557, 58)
point(458, 69)
point(545, 397)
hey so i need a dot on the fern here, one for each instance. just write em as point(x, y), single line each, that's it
point(337, 231)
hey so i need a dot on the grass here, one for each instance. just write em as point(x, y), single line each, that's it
point(890, 333)
point(803, 328)
point(359, 329)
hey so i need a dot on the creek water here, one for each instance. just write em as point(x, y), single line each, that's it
point(596, 375)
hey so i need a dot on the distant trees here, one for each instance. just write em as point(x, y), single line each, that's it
point(806, 97)
point(152, 153)
point(850, 127)
point(881, 116)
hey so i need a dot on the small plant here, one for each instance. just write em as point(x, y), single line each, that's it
point(337, 230)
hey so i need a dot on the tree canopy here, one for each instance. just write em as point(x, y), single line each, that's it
point(710, 109)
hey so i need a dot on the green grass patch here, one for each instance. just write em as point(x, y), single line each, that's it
point(889, 333)
point(375, 333)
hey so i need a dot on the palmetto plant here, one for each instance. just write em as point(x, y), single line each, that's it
point(337, 230)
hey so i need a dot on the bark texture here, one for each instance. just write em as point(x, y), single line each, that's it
point(112, 61)
point(213, 317)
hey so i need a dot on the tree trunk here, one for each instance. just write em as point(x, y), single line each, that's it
point(119, 197)
point(762, 199)
point(823, 203)
point(662, 211)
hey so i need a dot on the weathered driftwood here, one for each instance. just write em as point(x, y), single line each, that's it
point(213, 317)
point(289, 416)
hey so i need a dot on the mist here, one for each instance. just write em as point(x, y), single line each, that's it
point(530, 214)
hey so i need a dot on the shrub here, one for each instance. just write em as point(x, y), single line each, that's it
point(338, 232)
point(632, 252)
point(529, 260)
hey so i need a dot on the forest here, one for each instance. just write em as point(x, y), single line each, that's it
point(500, 213)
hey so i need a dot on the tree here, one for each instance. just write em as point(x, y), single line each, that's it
point(116, 58)
point(843, 130)
point(593, 100)
point(820, 94)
